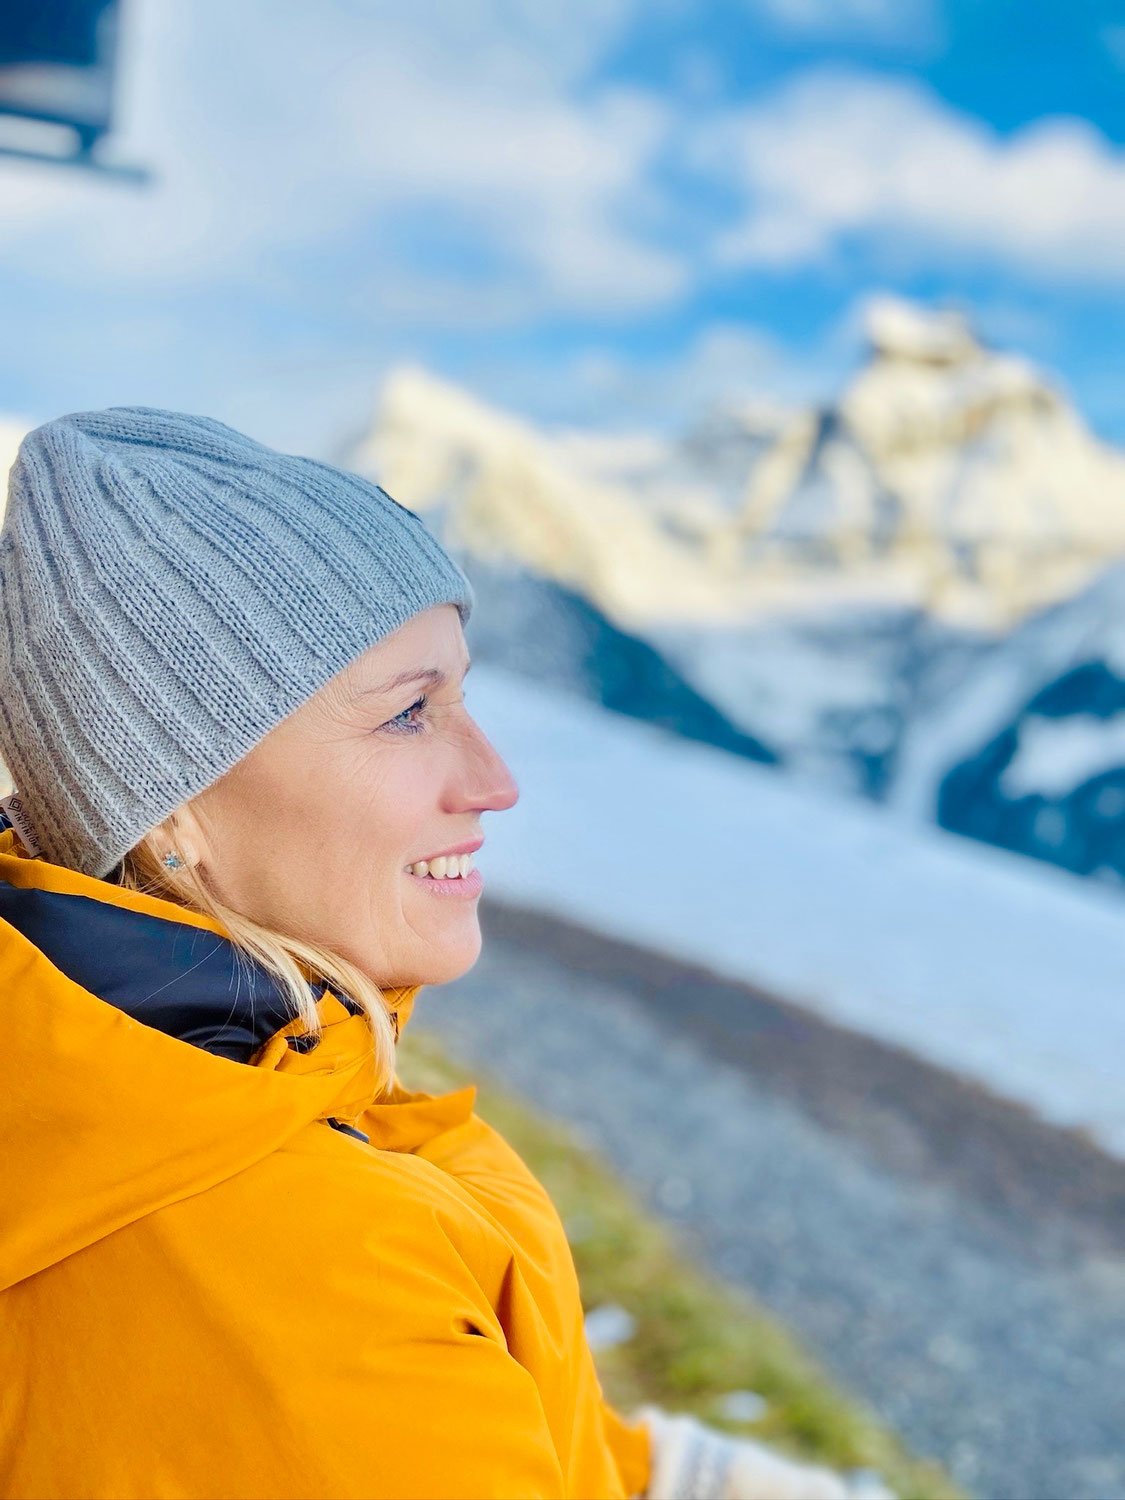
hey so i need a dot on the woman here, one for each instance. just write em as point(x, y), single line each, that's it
point(237, 1257)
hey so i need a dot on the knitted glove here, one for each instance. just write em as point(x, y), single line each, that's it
point(691, 1461)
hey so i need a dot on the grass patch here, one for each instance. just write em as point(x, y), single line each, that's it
point(696, 1338)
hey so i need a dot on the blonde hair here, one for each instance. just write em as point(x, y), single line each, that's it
point(295, 963)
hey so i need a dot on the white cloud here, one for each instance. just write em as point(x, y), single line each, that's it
point(283, 132)
point(837, 156)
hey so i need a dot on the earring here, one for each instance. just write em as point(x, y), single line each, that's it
point(173, 861)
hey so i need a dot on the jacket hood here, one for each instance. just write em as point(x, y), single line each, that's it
point(129, 1024)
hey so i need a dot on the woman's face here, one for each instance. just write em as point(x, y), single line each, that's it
point(312, 832)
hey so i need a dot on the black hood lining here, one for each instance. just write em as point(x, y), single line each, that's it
point(177, 978)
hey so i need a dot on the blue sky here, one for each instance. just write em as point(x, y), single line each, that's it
point(589, 211)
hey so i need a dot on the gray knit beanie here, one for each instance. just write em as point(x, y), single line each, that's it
point(170, 590)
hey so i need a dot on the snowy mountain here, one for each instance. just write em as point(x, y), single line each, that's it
point(824, 578)
point(833, 691)
point(1028, 750)
point(947, 478)
point(537, 520)
point(959, 467)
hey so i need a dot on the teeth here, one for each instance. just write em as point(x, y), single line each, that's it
point(444, 867)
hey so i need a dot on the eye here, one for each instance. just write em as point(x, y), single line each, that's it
point(403, 722)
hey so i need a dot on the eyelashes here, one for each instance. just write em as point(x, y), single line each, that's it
point(400, 724)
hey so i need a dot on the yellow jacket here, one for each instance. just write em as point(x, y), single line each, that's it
point(207, 1291)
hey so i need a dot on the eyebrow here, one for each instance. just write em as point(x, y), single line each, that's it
point(431, 675)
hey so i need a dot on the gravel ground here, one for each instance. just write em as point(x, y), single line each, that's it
point(993, 1342)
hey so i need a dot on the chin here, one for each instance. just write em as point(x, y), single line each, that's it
point(447, 961)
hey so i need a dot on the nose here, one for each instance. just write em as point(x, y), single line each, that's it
point(488, 784)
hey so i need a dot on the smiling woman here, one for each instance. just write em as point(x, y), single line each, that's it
point(237, 1258)
point(231, 879)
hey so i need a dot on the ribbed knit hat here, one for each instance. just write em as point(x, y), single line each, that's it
point(170, 590)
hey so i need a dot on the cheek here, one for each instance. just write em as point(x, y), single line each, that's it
point(374, 819)
point(323, 829)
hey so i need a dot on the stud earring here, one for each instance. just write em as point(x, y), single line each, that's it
point(173, 861)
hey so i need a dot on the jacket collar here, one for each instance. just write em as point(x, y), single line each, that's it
point(106, 1116)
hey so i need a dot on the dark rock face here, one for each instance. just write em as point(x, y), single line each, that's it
point(1081, 829)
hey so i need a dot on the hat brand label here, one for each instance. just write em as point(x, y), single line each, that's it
point(17, 816)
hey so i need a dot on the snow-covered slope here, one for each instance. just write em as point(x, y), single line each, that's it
point(1004, 970)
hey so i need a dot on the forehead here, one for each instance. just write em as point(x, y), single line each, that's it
point(429, 646)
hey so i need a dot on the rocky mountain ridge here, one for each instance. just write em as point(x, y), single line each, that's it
point(947, 477)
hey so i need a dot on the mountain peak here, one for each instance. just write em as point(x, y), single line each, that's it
point(901, 330)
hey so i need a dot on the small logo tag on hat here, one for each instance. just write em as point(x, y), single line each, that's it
point(16, 813)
